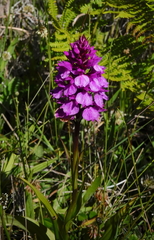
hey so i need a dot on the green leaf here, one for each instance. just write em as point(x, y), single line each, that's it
point(47, 205)
point(48, 223)
point(113, 98)
point(82, 216)
point(29, 205)
point(74, 207)
point(93, 187)
point(92, 214)
point(30, 225)
point(38, 151)
point(12, 45)
point(42, 199)
point(12, 220)
point(39, 167)
point(57, 207)
point(9, 164)
point(133, 237)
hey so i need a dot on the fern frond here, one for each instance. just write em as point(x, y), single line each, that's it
point(150, 4)
point(53, 10)
point(59, 46)
point(129, 26)
point(118, 6)
point(67, 18)
point(58, 58)
point(131, 85)
point(145, 98)
point(124, 14)
point(68, 4)
point(137, 29)
point(60, 36)
point(118, 72)
point(86, 8)
point(61, 50)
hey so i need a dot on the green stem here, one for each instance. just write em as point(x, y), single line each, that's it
point(75, 159)
point(74, 206)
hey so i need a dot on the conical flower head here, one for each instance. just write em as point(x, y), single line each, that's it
point(81, 86)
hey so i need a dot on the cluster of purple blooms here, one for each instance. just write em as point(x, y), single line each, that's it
point(81, 86)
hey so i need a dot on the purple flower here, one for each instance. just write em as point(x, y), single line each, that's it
point(81, 86)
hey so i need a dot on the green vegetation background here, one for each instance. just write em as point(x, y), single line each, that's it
point(35, 147)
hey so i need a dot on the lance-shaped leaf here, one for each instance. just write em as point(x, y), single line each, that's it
point(54, 217)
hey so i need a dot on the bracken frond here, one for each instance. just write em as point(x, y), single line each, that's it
point(53, 10)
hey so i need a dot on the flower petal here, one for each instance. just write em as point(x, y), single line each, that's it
point(70, 90)
point(90, 114)
point(65, 64)
point(95, 85)
point(60, 113)
point(57, 92)
point(99, 68)
point(70, 108)
point(98, 100)
point(93, 60)
point(104, 96)
point(84, 98)
point(81, 81)
point(103, 82)
point(76, 49)
point(65, 74)
point(77, 71)
point(64, 69)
